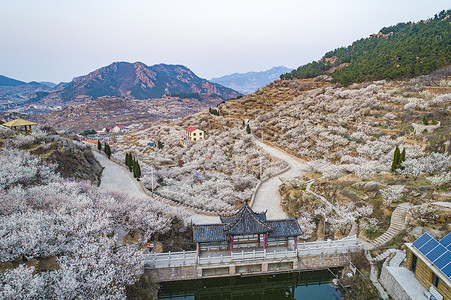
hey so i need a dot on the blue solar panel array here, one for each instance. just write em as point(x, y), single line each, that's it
point(438, 253)
point(446, 241)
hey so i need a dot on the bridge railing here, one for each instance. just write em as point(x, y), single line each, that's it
point(329, 247)
point(189, 258)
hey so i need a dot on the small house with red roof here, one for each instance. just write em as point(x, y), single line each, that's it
point(194, 134)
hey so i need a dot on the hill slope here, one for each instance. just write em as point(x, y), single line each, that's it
point(247, 83)
point(139, 81)
point(407, 49)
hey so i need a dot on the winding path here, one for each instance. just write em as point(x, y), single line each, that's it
point(267, 196)
point(116, 177)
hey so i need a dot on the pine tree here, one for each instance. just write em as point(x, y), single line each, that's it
point(105, 149)
point(130, 162)
point(425, 121)
point(402, 158)
point(396, 157)
point(135, 168)
point(99, 145)
point(248, 129)
point(138, 170)
point(244, 124)
point(160, 145)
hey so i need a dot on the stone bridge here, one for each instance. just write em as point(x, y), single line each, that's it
point(308, 256)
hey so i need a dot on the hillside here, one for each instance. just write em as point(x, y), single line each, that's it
point(138, 81)
point(111, 111)
point(247, 83)
point(404, 50)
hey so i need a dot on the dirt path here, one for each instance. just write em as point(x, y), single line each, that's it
point(267, 197)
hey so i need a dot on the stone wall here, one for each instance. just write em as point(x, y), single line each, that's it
point(322, 261)
point(392, 286)
point(173, 273)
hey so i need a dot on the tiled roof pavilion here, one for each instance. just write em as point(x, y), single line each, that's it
point(245, 222)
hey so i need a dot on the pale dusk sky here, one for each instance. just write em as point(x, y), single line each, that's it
point(49, 40)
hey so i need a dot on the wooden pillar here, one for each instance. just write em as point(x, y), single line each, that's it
point(198, 249)
point(264, 241)
point(295, 243)
point(258, 241)
point(231, 243)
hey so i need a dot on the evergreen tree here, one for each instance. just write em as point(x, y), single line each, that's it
point(105, 149)
point(160, 145)
point(402, 158)
point(99, 145)
point(244, 124)
point(248, 129)
point(138, 170)
point(396, 157)
point(135, 168)
point(425, 121)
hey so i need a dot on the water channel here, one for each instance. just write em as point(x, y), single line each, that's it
point(303, 285)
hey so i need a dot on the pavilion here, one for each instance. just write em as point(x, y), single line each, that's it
point(17, 124)
point(246, 228)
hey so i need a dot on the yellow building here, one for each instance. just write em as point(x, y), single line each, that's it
point(430, 261)
point(20, 125)
point(194, 134)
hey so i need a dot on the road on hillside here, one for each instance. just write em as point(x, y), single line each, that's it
point(267, 197)
point(116, 178)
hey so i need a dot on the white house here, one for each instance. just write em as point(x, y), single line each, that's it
point(194, 134)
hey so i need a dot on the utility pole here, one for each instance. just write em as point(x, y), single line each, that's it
point(325, 218)
point(261, 171)
point(151, 170)
point(333, 196)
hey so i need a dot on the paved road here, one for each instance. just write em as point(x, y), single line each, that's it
point(115, 177)
point(267, 197)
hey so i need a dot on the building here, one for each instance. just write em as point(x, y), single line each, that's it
point(246, 229)
point(194, 134)
point(119, 128)
point(430, 261)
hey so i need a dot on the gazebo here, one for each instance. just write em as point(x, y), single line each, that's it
point(246, 229)
point(17, 124)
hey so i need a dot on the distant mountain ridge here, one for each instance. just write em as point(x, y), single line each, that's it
point(249, 82)
point(13, 88)
point(139, 81)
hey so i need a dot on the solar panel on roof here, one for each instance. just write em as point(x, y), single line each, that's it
point(436, 253)
point(443, 260)
point(446, 241)
point(431, 244)
point(447, 270)
point(421, 241)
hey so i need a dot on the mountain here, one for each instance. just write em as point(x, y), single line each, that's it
point(6, 81)
point(139, 81)
point(13, 89)
point(404, 50)
point(247, 83)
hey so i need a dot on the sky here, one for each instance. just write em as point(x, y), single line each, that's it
point(57, 40)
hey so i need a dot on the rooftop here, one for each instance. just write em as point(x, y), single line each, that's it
point(19, 122)
point(245, 221)
point(191, 129)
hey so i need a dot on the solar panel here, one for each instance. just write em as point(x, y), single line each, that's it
point(421, 241)
point(446, 241)
point(443, 260)
point(436, 253)
point(447, 270)
point(431, 244)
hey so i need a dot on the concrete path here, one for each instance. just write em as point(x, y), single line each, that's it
point(398, 218)
point(116, 178)
point(267, 197)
